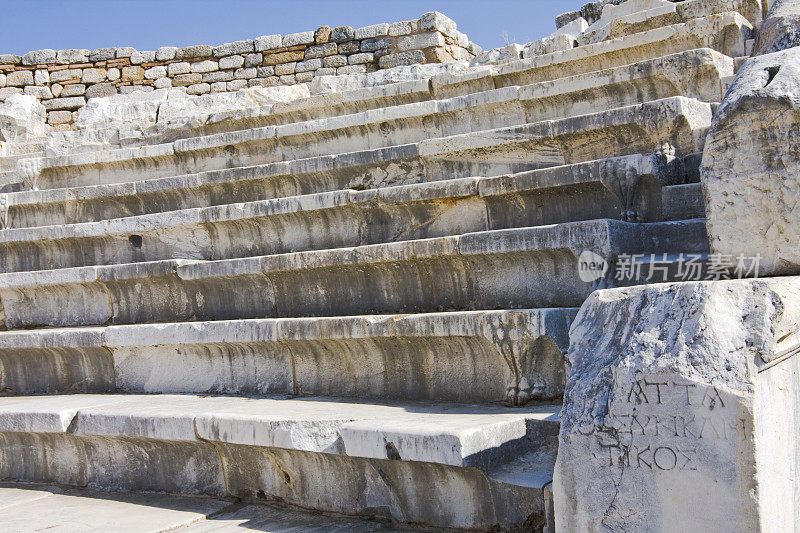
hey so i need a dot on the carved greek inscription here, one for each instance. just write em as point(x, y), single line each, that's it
point(658, 424)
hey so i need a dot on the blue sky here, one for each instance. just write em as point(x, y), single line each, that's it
point(148, 24)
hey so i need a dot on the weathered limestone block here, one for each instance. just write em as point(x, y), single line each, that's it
point(137, 109)
point(75, 89)
point(512, 52)
point(230, 62)
point(515, 268)
point(682, 416)
point(41, 77)
point(66, 57)
point(295, 450)
point(435, 21)
point(102, 54)
point(191, 52)
point(19, 78)
point(322, 35)
point(780, 30)
point(39, 57)
point(71, 75)
point(267, 42)
point(489, 356)
point(139, 57)
point(234, 48)
point(41, 93)
point(22, 119)
point(751, 165)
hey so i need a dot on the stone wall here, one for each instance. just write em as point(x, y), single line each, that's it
point(63, 80)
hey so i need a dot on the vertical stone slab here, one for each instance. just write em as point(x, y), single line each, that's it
point(751, 165)
point(781, 29)
point(660, 425)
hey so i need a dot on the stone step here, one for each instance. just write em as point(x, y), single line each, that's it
point(28, 507)
point(502, 269)
point(416, 462)
point(627, 187)
point(724, 32)
point(360, 170)
point(173, 125)
point(414, 123)
point(613, 26)
point(692, 73)
point(473, 356)
point(679, 121)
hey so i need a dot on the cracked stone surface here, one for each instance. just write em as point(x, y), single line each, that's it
point(666, 389)
point(751, 165)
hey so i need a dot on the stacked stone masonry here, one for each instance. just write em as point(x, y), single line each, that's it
point(64, 80)
point(414, 289)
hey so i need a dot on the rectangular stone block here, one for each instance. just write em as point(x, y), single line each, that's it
point(234, 48)
point(198, 88)
point(370, 32)
point(72, 103)
point(75, 89)
point(334, 61)
point(93, 75)
point(406, 27)
point(100, 90)
point(39, 57)
point(194, 52)
point(173, 69)
point(133, 73)
point(230, 62)
point(245, 73)
point(19, 78)
point(358, 59)
point(205, 66)
point(686, 430)
point(220, 75)
point(253, 60)
point(139, 57)
point(283, 57)
point(320, 50)
point(124, 52)
point(39, 92)
point(342, 34)
point(68, 75)
point(154, 73)
point(749, 178)
point(182, 80)
point(65, 57)
point(166, 53)
point(349, 47)
point(294, 39)
point(102, 54)
point(421, 40)
point(59, 117)
point(267, 42)
point(307, 65)
point(371, 45)
point(402, 58)
point(435, 21)
point(10, 59)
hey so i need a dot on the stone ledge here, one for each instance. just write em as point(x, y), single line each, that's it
point(437, 356)
point(344, 281)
